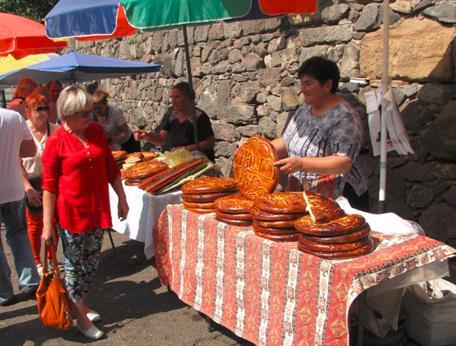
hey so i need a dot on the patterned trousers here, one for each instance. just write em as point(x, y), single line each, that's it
point(81, 256)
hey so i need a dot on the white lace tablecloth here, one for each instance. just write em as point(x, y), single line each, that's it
point(144, 212)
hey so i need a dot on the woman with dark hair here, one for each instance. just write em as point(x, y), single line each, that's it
point(176, 127)
point(114, 123)
point(321, 142)
point(78, 166)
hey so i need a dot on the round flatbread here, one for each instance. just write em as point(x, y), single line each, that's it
point(239, 223)
point(149, 155)
point(276, 231)
point(205, 197)
point(322, 209)
point(119, 154)
point(343, 225)
point(276, 224)
point(282, 203)
point(234, 204)
point(265, 216)
point(340, 239)
point(209, 185)
point(305, 243)
point(145, 169)
point(193, 205)
point(364, 250)
point(254, 169)
point(200, 210)
point(279, 238)
point(242, 216)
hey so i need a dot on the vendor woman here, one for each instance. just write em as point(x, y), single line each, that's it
point(322, 141)
point(176, 127)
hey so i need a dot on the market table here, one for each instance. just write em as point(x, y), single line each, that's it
point(144, 212)
point(269, 292)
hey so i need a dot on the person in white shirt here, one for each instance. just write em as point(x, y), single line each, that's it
point(37, 112)
point(15, 142)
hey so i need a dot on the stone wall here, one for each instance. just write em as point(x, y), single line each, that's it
point(245, 79)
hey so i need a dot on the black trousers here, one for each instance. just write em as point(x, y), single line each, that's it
point(357, 202)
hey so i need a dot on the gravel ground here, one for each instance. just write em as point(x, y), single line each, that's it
point(135, 308)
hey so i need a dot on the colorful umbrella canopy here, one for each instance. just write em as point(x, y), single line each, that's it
point(88, 19)
point(21, 36)
point(77, 67)
point(9, 63)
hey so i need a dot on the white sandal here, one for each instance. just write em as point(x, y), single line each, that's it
point(93, 316)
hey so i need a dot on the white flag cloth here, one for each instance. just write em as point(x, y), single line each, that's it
point(397, 134)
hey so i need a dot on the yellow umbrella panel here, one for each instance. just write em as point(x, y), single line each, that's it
point(9, 63)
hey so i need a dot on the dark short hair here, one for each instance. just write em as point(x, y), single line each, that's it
point(322, 70)
point(185, 89)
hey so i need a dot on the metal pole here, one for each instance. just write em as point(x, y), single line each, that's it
point(385, 85)
point(3, 98)
point(190, 82)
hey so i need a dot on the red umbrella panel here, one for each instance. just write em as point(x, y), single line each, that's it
point(20, 36)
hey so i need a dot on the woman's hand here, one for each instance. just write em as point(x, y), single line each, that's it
point(33, 197)
point(290, 165)
point(48, 234)
point(122, 209)
point(140, 135)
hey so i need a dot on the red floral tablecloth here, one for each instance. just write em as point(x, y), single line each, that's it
point(269, 292)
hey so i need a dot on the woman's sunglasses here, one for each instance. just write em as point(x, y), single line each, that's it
point(41, 109)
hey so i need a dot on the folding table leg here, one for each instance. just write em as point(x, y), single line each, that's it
point(110, 238)
point(361, 302)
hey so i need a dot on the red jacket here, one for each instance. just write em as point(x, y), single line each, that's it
point(79, 177)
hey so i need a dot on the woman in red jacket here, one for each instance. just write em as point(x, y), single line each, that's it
point(78, 166)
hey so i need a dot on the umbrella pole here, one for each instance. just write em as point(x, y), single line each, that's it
point(3, 98)
point(190, 82)
point(385, 85)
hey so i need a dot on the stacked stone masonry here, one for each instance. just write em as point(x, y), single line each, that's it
point(244, 75)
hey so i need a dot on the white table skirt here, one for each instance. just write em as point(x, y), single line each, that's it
point(144, 212)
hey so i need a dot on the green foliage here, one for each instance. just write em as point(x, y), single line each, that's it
point(33, 9)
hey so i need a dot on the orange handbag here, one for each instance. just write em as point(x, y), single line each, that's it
point(51, 296)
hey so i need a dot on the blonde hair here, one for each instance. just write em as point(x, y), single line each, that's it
point(100, 96)
point(73, 99)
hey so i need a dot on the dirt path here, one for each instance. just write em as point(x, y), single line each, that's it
point(136, 309)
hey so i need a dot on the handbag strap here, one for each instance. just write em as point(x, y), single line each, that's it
point(50, 255)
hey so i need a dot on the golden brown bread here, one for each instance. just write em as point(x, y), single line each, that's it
point(206, 197)
point(197, 205)
point(279, 238)
point(364, 250)
point(276, 224)
point(240, 216)
point(265, 216)
point(239, 223)
point(145, 169)
point(338, 239)
point(119, 154)
point(282, 203)
point(342, 225)
point(307, 244)
point(320, 208)
point(254, 169)
point(209, 185)
point(235, 203)
point(275, 231)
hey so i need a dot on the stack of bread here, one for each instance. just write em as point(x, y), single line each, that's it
point(135, 174)
point(329, 233)
point(119, 156)
point(274, 215)
point(199, 195)
point(234, 210)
